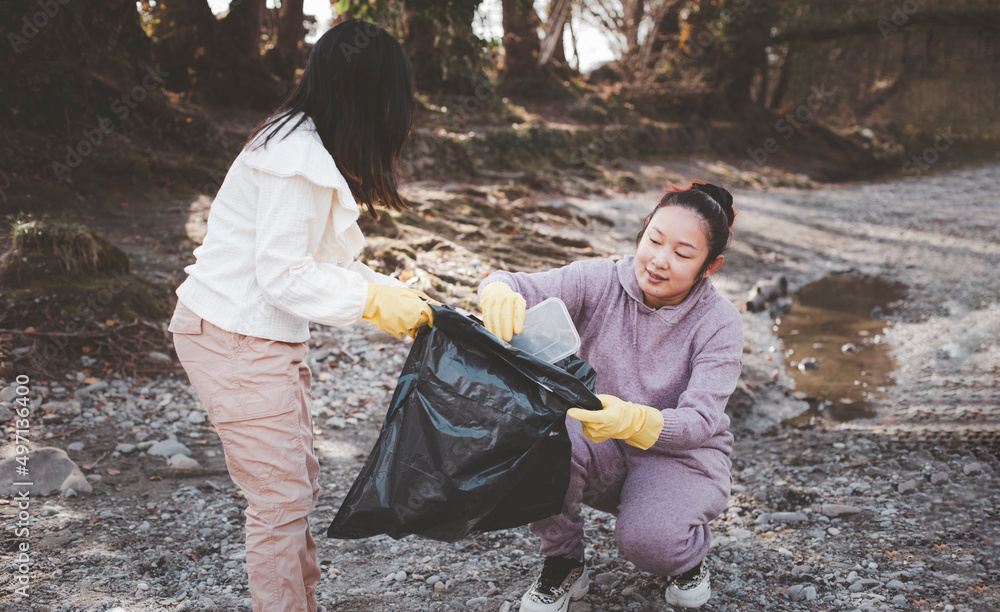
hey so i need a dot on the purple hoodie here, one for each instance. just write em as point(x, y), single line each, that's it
point(684, 360)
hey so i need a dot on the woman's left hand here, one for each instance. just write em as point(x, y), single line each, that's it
point(638, 425)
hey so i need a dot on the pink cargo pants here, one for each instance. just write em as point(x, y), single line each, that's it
point(257, 395)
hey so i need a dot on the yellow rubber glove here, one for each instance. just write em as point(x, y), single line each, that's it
point(638, 425)
point(397, 310)
point(503, 310)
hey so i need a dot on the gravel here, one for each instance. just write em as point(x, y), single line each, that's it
point(895, 512)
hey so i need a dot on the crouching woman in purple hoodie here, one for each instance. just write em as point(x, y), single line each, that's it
point(667, 348)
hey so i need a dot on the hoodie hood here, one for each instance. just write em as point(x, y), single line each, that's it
point(670, 315)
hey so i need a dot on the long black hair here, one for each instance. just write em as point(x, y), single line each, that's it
point(358, 90)
point(710, 202)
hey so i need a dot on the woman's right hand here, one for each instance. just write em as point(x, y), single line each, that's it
point(503, 310)
point(397, 310)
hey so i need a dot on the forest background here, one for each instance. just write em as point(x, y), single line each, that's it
point(117, 111)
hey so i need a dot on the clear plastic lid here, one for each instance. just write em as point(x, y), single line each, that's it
point(548, 332)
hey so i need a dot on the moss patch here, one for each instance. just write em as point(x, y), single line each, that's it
point(68, 292)
point(57, 250)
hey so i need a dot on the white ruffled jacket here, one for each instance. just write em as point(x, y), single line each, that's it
point(281, 242)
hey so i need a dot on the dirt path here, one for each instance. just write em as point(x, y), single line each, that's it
point(894, 511)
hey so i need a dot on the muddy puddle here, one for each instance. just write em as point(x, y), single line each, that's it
point(834, 342)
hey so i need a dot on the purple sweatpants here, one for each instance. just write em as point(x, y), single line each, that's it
point(663, 502)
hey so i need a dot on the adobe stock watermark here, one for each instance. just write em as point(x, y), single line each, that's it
point(787, 127)
point(31, 24)
point(22, 480)
point(921, 162)
point(899, 17)
point(122, 107)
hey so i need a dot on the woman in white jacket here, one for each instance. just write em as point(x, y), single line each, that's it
point(279, 253)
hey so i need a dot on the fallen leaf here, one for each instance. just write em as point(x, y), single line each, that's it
point(113, 472)
point(91, 381)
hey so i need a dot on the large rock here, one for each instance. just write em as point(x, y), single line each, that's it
point(48, 469)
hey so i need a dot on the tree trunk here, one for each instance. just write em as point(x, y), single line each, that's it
point(735, 76)
point(737, 59)
point(242, 25)
point(291, 31)
point(215, 61)
point(184, 41)
point(419, 35)
point(576, 49)
point(781, 83)
point(521, 45)
point(666, 27)
point(634, 11)
point(552, 48)
point(238, 76)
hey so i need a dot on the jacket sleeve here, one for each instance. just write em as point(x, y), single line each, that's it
point(372, 276)
point(701, 408)
point(292, 214)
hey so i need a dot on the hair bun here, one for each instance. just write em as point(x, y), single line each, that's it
point(720, 195)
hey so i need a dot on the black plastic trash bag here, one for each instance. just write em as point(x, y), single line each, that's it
point(474, 439)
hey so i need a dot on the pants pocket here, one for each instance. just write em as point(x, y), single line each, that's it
point(184, 321)
point(260, 434)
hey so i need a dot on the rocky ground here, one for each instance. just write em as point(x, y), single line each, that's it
point(893, 512)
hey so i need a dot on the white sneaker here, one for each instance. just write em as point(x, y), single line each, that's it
point(560, 581)
point(691, 589)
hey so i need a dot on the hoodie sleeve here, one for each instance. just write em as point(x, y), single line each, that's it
point(700, 413)
point(572, 284)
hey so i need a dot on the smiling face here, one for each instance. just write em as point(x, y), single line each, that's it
point(670, 256)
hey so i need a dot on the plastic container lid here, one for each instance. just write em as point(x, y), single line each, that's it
point(548, 332)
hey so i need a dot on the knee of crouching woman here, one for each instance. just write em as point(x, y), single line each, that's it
point(654, 548)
